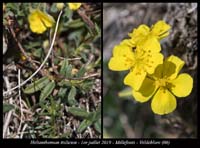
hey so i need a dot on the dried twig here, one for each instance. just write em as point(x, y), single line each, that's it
point(20, 101)
point(86, 77)
point(23, 129)
point(23, 50)
point(86, 19)
point(9, 114)
point(69, 59)
point(89, 129)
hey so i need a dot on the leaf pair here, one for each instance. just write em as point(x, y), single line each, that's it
point(42, 84)
point(89, 118)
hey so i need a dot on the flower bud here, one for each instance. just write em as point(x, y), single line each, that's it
point(60, 6)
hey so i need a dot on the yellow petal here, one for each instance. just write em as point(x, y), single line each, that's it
point(128, 42)
point(146, 91)
point(150, 45)
point(123, 58)
point(142, 30)
point(39, 21)
point(139, 34)
point(172, 67)
point(123, 50)
point(163, 102)
point(135, 78)
point(36, 24)
point(46, 19)
point(153, 61)
point(118, 64)
point(182, 85)
point(160, 29)
point(161, 36)
point(74, 6)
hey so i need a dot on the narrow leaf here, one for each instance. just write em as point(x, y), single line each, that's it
point(46, 131)
point(7, 107)
point(71, 96)
point(75, 23)
point(97, 126)
point(94, 116)
point(80, 112)
point(68, 71)
point(62, 92)
point(36, 86)
point(81, 72)
point(63, 67)
point(47, 90)
point(87, 85)
point(64, 83)
point(84, 124)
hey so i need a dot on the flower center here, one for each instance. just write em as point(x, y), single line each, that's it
point(161, 83)
point(129, 61)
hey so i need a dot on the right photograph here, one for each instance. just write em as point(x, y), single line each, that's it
point(150, 70)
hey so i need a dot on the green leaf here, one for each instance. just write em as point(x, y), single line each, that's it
point(37, 85)
point(80, 112)
point(72, 102)
point(75, 23)
point(64, 83)
point(47, 90)
point(46, 131)
point(68, 71)
point(12, 6)
point(84, 57)
point(98, 30)
point(84, 124)
point(97, 125)
point(96, 115)
point(87, 85)
point(62, 92)
point(81, 72)
point(91, 118)
point(86, 46)
point(54, 8)
point(7, 107)
point(98, 62)
point(67, 15)
point(38, 52)
point(32, 45)
point(71, 96)
point(64, 66)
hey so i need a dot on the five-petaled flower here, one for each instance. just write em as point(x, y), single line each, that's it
point(163, 85)
point(40, 21)
point(140, 61)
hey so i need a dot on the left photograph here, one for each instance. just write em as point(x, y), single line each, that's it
point(51, 70)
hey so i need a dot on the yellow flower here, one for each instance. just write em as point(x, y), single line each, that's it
point(142, 60)
point(74, 6)
point(40, 21)
point(163, 85)
point(160, 30)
